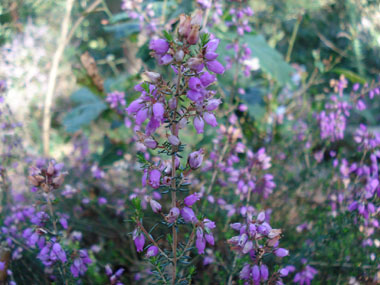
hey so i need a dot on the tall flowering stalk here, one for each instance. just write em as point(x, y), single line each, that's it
point(192, 56)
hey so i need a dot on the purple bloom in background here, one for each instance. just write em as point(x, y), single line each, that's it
point(191, 199)
point(79, 266)
point(115, 99)
point(281, 252)
point(102, 201)
point(305, 276)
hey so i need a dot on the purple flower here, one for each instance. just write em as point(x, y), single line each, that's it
point(139, 240)
point(195, 159)
point(154, 178)
point(256, 273)
point(207, 79)
point(115, 99)
point(191, 199)
point(195, 63)
point(195, 84)
point(160, 46)
point(164, 60)
point(188, 214)
point(152, 251)
point(281, 252)
point(141, 116)
point(200, 243)
point(245, 273)
point(215, 66)
point(173, 214)
point(199, 124)
point(135, 106)
point(210, 239)
point(264, 272)
point(79, 266)
point(174, 140)
point(63, 222)
point(58, 252)
point(158, 111)
point(156, 207)
point(102, 201)
point(210, 119)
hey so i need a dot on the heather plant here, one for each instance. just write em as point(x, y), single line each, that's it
point(175, 103)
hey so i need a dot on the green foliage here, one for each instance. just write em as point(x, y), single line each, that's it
point(123, 30)
point(271, 61)
point(88, 108)
point(112, 152)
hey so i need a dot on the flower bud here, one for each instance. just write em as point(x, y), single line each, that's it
point(191, 199)
point(196, 19)
point(182, 123)
point(135, 106)
point(243, 239)
point(156, 207)
point(195, 84)
point(173, 215)
point(264, 272)
point(174, 140)
point(150, 143)
point(33, 180)
point(207, 78)
point(215, 66)
point(160, 46)
point(200, 244)
point(210, 239)
point(184, 25)
point(58, 181)
point(210, 119)
point(281, 252)
point(195, 159)
point(152, 251)
point(193, 37)
point(188, 215)
point(235, 226)
point(199, 124)
point(256, 273)
point(172, 103)
point(247, 247)
point(154, 178)
point(158, 111)
point(178, 56)
point(195, 63)
point(153, 77)
point(50, 169)
point(139, 240)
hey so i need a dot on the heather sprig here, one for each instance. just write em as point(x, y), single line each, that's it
point(174, 103)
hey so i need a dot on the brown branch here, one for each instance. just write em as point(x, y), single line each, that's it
point(53, 77)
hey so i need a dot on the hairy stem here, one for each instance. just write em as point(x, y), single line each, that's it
point(51, 210)
point(174, 184)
